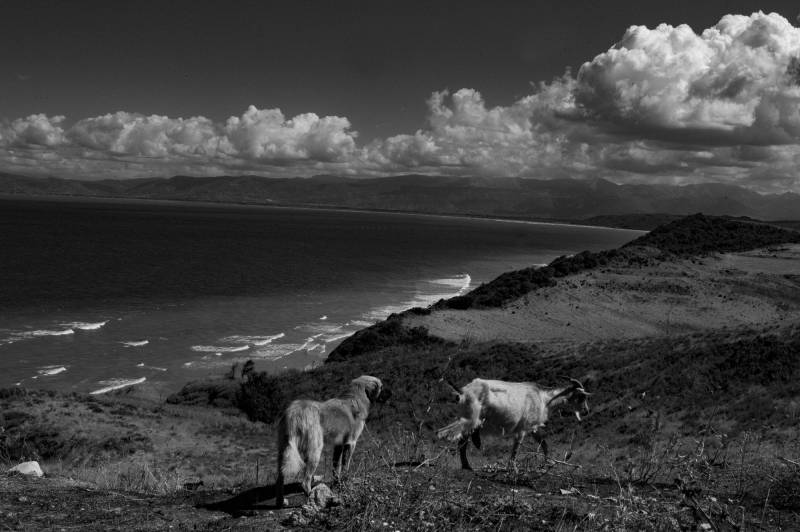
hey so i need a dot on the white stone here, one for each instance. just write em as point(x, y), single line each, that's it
point(27, 468)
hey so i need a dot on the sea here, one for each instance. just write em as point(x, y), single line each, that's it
point(102, 294)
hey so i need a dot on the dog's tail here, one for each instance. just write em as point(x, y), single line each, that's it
point(299, 432)
point(292, 463)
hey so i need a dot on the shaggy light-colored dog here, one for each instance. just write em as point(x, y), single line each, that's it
point(306, 426)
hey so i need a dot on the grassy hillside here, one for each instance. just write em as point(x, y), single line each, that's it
point(695, 235)
point(692, 429)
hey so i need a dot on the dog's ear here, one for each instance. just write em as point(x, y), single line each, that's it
point(383, 395)
point(375, 391)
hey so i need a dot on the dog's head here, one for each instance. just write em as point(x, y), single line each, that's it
point(373, 388)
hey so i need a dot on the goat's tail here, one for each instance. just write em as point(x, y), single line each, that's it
point(454, 430)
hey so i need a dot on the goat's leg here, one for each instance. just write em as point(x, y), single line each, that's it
point(518, 437)
point(463, 443)
point(476, 438)
point(543, 444)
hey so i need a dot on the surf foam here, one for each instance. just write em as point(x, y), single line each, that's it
point(86, 326)
point(423, 298)
point(135, 343)
point(141, 365)
point(254, 340)
point(116, 384)
point(219, 349)
point(49, 371)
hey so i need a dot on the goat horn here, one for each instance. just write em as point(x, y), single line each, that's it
point(577, 383)
point(452, 386)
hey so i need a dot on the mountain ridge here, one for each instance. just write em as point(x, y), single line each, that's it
point(556, 199)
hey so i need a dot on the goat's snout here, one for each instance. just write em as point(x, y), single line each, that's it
point(583, 410)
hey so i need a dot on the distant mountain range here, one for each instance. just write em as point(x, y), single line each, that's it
point(557, 199)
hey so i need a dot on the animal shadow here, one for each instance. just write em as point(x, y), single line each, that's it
point(250, 501)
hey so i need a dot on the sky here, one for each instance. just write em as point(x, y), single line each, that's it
point(631, 91)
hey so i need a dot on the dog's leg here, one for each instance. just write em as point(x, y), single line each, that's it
point(279, 490)
point(347, 455)
point(308, 477)
point(282, 443)
point(338, 452)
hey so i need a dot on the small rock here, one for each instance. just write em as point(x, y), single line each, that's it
point(321, 496)
point(296, 519)
point(27, 468)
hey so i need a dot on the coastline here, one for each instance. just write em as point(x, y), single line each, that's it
point(301, 206)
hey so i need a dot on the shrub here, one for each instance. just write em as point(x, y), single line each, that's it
point(382, 334)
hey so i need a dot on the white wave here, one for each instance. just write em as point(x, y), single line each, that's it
point(116, 384)
point(141, 365)
point(86, 326)
point(422, 298)
point(320, 328)
point(276, 351)
point(323, 318)
point(254, 340)
point(39, 333)
point(48, 371)
point(462, 282)
point(218, 349)
point(135, 343)
point(333, 338)
point(360, 323)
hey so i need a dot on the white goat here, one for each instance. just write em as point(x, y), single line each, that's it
point(509, 408)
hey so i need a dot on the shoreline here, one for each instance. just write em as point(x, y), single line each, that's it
point(63, 198)
point(307, 343)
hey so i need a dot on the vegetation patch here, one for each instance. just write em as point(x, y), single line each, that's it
point(701, 235)
point(390, 332)
point(689, 236)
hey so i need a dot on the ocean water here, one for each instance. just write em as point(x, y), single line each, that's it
point(96, 295)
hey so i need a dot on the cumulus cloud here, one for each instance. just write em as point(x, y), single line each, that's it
point(267, 135)
point(734, 83)
point(664, 105)
point(35, 130)
point(157, 145)
point(466, 135)
point(124, 133)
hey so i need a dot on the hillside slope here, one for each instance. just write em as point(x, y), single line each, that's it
point(688, 339)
